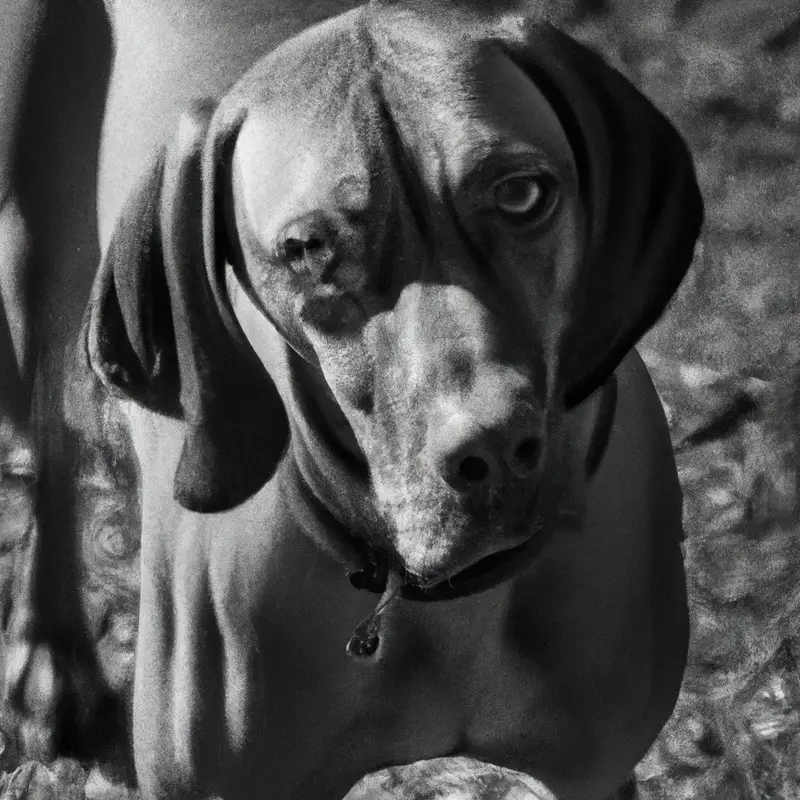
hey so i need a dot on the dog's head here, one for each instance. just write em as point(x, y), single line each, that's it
point(460, 225)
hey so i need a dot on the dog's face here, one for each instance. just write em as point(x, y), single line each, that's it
point(460, 226)
point(400, 240)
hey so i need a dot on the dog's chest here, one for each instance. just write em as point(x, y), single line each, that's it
point(447, 681)
point(455, 677)
point(492, 675)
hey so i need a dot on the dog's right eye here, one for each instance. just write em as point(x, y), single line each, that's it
point(525, 197)
point(519, 195)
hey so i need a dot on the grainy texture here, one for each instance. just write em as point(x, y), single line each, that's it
point(724, 360)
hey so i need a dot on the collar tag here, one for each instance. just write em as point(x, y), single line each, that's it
point(366, 640)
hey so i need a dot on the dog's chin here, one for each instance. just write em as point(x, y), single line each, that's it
point(435, 534)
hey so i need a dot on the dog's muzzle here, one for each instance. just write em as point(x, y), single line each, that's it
point(384, 576)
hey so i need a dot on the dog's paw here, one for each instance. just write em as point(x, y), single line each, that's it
point(453, 778)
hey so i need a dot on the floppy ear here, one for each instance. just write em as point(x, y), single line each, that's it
point(160, 330)
point(640, 197)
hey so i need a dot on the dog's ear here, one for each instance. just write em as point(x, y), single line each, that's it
point(641, 201)
point(160, 330)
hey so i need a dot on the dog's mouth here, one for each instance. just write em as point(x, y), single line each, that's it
point(384, 578)
point(486, 573)
point(483, 574)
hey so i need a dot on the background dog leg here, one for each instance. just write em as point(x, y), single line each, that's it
point(39, 617)
point(51, 672)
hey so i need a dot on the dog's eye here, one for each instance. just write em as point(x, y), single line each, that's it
point(297, 248)
point(523, 196)
point(309, 247)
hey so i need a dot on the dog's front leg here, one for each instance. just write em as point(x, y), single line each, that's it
point(449, 778)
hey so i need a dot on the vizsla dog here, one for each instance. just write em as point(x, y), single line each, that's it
point(407, 490)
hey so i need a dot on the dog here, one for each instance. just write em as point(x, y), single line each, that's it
point(407, 489)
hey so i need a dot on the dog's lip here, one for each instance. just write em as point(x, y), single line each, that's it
point(483, 574)
point(487, 563)
point(496, 560)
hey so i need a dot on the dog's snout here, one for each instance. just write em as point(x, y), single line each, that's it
point(472, 457)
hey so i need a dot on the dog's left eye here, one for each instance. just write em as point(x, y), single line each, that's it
point(523, 196)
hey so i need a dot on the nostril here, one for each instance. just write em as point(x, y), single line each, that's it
point(473, 469)
point(527, 452)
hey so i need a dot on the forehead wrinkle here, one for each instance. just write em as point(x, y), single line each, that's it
point(412, 194)
point(470, 97)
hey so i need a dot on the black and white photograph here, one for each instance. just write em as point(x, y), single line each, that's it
point(399, 400)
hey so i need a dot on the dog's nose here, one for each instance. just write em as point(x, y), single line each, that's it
point(472, 457)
